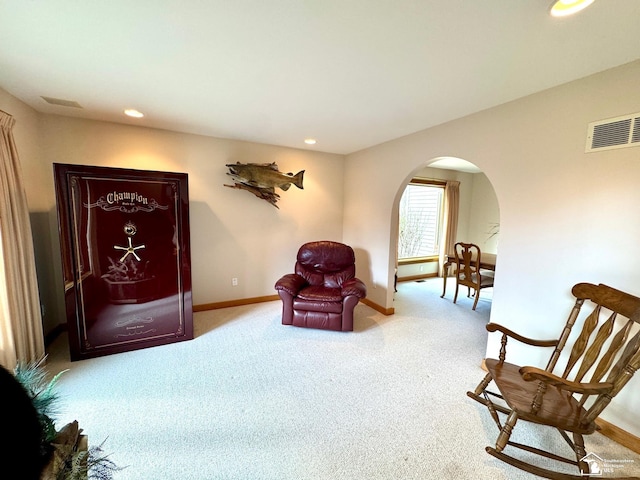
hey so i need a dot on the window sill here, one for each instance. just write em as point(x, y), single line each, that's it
point(414, 260)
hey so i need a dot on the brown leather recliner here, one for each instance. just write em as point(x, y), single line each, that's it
point(323, 291)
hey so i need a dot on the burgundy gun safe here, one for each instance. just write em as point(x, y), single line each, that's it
point(124, 237)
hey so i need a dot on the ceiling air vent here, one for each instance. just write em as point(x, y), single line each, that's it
point(619, 132)
point(61, 102)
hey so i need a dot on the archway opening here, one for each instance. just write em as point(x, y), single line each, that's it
point(478, 217)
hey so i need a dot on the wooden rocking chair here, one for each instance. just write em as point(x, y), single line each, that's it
point(608, 348)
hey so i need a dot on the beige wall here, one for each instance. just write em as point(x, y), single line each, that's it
point(484, 216)
point(233, 233)
point(565, 216)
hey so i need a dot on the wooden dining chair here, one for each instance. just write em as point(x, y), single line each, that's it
point(568, 397)
point(468, 272)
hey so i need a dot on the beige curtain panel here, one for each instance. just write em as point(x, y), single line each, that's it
point(450, 224)
point(21, 336)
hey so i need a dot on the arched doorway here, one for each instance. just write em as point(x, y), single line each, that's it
point(478, 214)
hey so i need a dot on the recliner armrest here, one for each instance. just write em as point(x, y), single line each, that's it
point(291, 283)
point(354, 286)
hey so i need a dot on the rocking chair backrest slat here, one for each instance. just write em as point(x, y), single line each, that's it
point(593, 352)
point(620, 374)
point(603, 348)
point(579, 347)
point(607, 359)
point(629, 352)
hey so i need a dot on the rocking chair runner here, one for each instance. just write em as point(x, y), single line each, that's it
point(608, 346)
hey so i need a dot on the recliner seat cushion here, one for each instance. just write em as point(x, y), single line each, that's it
point(321, 294)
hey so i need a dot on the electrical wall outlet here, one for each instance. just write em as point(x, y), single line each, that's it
point(234, 282)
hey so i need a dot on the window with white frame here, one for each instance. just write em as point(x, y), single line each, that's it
point(420, 220)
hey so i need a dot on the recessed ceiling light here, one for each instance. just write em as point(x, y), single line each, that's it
point(562, 8)
point(132, 112)
point(310, 141)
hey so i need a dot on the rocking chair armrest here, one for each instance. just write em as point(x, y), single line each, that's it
point(532, 373)
point(493, 327)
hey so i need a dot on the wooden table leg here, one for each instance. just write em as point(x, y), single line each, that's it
point(445, 273)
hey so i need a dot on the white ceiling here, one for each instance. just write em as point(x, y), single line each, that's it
point(453, 163)
point(351, 73)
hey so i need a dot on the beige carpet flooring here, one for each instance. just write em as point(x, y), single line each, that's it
point(252, 399)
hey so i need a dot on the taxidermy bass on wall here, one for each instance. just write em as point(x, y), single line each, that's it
point(261, 179)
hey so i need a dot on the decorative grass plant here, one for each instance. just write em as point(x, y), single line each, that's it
point(64, 451)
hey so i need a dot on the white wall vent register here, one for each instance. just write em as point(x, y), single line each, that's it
point(619, 132)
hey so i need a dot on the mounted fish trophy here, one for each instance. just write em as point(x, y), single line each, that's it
point(261, 179)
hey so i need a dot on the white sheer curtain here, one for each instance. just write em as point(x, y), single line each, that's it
point(21, 336)
point(450, 223)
